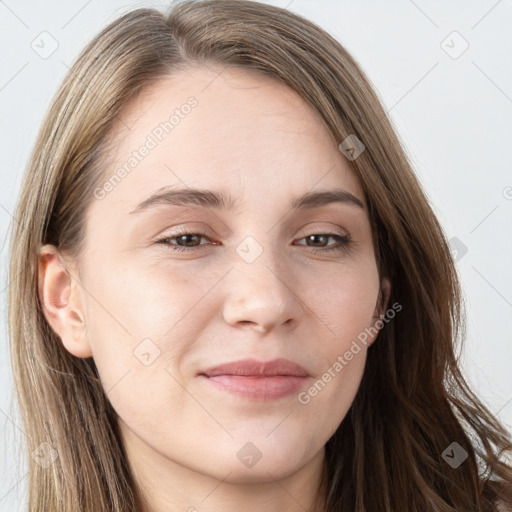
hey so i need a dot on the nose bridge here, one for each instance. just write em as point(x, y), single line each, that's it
point(260, 292)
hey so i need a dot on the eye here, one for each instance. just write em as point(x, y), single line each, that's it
point(320, 239)
point(190, 241)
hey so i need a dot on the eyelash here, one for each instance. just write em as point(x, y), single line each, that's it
point(343, 240)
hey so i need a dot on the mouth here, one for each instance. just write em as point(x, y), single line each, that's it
point(259, 388)
point(257, 380)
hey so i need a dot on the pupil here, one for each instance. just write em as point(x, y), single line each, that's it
point(184, 238)
point(315, 238)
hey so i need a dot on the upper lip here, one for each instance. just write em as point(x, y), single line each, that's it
point(252, 367)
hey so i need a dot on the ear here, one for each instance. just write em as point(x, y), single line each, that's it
point(381, 306)
point(61, 302)
point(384, 294)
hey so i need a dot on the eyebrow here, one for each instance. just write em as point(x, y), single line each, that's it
point(223, 201)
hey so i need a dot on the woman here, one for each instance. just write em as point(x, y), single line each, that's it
point(228, 288)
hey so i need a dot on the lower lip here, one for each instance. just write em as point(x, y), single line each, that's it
point(260, 388)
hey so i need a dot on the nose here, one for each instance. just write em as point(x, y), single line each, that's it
point(261, 297)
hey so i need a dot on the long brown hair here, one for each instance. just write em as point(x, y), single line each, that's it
point(413, 402)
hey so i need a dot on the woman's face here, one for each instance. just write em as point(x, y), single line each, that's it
point(258, 277)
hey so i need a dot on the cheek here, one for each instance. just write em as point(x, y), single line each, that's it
point(137, 323)
point(140, 328)
point(347, 308)
point(346, 300)
point(131, 303)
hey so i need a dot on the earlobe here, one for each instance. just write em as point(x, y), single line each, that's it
point(61, 303)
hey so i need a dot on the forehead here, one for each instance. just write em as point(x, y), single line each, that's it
point(224, 128)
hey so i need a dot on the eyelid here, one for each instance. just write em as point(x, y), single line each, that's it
point(316, 230)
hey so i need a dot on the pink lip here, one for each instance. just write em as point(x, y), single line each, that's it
point(256, 379)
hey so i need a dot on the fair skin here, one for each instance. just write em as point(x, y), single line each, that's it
point(257, 141)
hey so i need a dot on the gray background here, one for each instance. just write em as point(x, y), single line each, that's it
point(452, 109)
